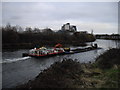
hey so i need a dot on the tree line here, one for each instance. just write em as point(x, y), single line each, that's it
point(14, 37)
point(109, 37)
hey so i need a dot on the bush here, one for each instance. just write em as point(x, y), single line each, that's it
point(109, 59)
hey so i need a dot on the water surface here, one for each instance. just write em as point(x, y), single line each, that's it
point(17, 70)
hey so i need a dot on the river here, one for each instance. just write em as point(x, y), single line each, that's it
point(17, 70)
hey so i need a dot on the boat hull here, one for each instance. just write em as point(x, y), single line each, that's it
point(45, 55)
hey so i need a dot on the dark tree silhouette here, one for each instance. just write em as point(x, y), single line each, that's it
point(28, 38)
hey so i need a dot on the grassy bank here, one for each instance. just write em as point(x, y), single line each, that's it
point(103, 73)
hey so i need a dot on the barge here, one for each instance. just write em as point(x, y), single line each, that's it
point(44, 52)
point(57, 50)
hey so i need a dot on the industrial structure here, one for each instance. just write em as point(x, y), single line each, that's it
point(68, 27)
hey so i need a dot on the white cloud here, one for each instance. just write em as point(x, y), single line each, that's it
point(99, 16)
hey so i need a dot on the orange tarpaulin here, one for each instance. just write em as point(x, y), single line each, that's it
point(58, 45)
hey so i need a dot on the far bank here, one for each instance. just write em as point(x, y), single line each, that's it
point(30, 38)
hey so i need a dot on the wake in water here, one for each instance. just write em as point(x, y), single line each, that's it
point(15, 59)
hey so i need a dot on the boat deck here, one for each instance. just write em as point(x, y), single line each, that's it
point(77, 50)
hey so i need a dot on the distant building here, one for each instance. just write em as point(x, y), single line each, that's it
point(68, 27)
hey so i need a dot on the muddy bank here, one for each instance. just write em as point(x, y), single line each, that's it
point(72, 74)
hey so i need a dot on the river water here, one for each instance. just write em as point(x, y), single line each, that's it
point(17, 70)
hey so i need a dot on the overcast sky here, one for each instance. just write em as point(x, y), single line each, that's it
point(102, 17)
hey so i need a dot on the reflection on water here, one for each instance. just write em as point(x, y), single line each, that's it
point(19, 70)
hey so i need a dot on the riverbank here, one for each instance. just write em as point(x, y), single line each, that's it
point(108, 37)
point(32, 45)
point(30, 38)
point(103, 73)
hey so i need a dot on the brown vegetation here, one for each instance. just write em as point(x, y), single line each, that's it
point(109, 59)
